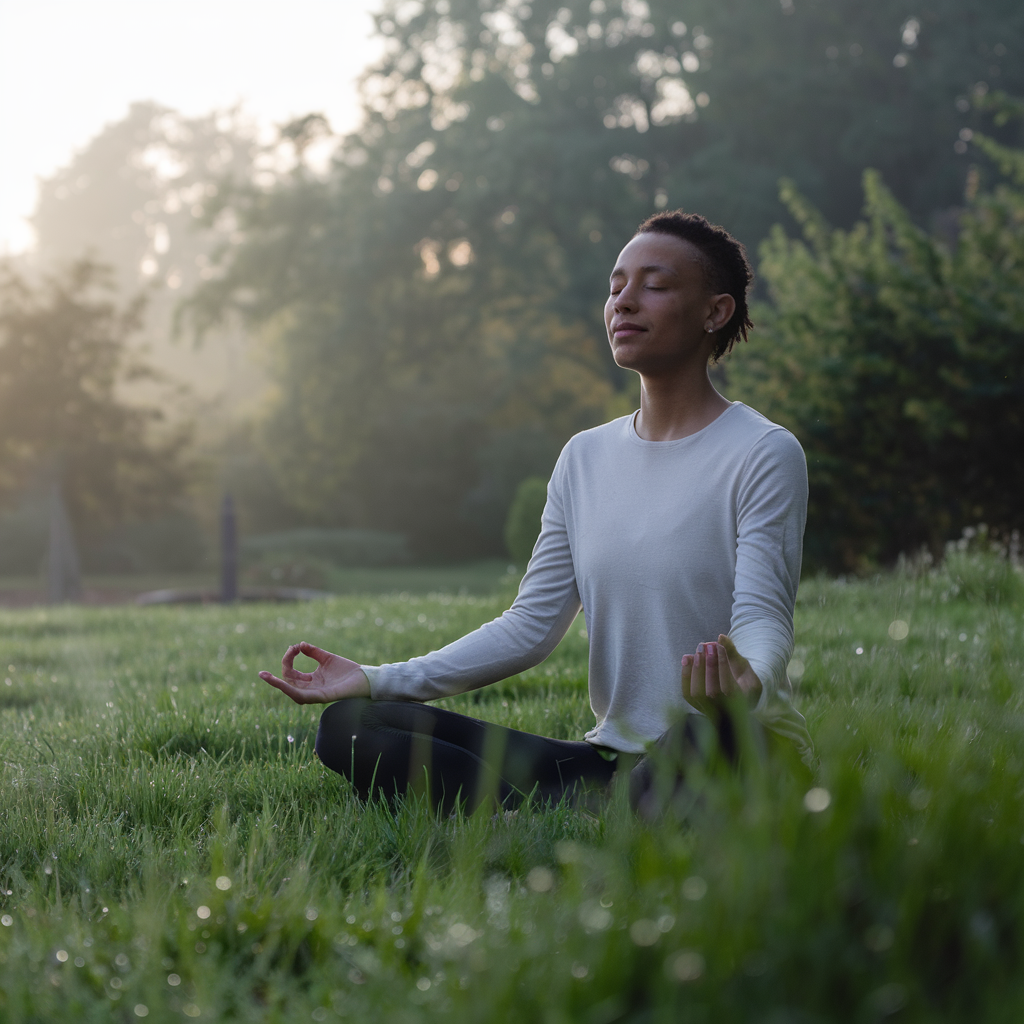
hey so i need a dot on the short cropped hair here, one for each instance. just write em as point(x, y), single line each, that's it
point(726, 267)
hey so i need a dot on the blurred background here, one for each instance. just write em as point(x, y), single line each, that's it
point(345, 261)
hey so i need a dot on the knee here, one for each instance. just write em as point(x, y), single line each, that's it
point(339, 725)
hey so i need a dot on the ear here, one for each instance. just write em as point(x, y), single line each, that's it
point(720, 311)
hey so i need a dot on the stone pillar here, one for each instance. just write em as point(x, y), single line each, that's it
point(63, 570)
point(228, 551)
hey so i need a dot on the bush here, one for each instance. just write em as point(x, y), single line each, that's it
point(979, 570)
point(522, 528)
point(172, 543)
point(340, 548)
point(290, 572)
point(898, 362)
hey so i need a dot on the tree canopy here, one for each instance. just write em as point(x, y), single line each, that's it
point(64, 359)
point(433, 303)
point(430, 305)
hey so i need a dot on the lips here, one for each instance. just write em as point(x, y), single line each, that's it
point(626, 329)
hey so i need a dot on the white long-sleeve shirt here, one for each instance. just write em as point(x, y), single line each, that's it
point(665, 544)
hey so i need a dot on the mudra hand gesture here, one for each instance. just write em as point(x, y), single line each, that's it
point(716, 672)
point(334, 678)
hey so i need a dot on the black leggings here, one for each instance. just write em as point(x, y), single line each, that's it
point(386, 748)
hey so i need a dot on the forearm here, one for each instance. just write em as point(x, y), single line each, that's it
point(524, 636)
point(768, 646)
point(504, 647)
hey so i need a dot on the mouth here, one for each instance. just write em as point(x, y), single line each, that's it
point(627, 330)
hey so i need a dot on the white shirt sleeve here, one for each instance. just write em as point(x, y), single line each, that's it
point(771, 510)
point(547, 603)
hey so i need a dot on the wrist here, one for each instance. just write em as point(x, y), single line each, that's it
point(362, 683)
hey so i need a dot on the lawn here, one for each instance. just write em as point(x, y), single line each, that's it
point(171, 849)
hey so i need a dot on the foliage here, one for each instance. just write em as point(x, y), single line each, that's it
point(522, 528)
point(432, 304)
point(139, 197)
point(898, 360)
point(660, 94)
point(976, 568)
point(339, 547)
point(64, 358)
point(169, 841)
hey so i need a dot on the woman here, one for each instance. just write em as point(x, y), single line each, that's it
point(679, 529)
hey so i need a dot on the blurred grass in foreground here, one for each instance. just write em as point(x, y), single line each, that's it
point(170, 848)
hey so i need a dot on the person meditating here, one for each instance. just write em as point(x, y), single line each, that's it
point(678, 530)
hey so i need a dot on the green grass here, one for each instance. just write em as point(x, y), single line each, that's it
point(170, 847)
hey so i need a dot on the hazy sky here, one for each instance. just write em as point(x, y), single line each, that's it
point(67, 67)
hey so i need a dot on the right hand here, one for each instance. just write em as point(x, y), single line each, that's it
point(335, 678)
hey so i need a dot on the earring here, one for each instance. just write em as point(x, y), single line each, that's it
point(709, 329)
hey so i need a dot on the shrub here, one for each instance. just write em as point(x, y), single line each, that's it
point(522, 528)
point(341, 548)
point(897, 359)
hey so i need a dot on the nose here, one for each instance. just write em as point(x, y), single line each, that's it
point(626, 300)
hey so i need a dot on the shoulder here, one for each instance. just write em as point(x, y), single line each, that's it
point(770, 461)
point(603, 436)
point(761, 439)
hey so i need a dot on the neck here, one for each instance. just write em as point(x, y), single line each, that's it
point(677, 405)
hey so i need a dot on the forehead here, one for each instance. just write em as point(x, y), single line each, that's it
point(666, 252)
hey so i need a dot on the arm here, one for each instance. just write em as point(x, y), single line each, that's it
point(771, 513)
point(771, 510)
point(547, 603)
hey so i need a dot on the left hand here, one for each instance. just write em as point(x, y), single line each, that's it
point(716, 672)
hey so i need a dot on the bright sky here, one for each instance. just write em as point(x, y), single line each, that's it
point(68, 67)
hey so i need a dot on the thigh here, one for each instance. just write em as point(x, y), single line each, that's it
point(388, 745)
point(524, 761)
point(659, 778)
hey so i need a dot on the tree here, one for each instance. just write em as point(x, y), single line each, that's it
point(897, 357)
point(138, 197)
point(705, 103)
point(417, 298)
point(64, 359)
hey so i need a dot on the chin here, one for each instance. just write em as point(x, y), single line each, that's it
point(628, 358)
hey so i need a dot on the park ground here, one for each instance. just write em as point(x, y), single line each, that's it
point(171, 849)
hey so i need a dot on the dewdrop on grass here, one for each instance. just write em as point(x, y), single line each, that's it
point(817, 799)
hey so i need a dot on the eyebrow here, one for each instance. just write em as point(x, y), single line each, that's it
point(650, 268)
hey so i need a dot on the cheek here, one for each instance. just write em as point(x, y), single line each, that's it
point(609, 310)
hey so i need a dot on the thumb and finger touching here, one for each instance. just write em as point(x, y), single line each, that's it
point(714, 671)
point(316, 653)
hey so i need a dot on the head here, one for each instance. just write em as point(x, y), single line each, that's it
point(678, 290)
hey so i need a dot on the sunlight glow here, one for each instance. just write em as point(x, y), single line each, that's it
point(110, 53)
